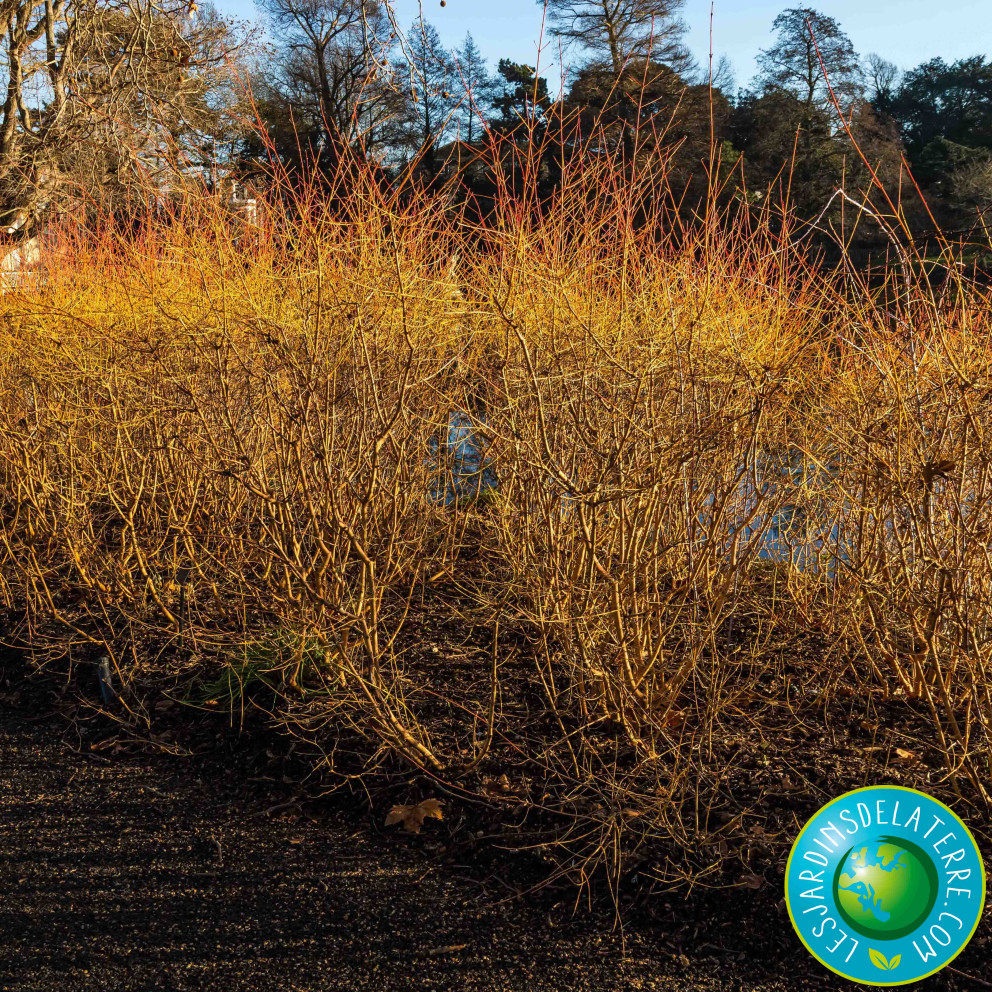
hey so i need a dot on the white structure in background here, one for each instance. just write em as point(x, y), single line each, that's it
point(18, 264)
point(245, 206)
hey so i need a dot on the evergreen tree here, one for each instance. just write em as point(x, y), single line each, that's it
point(475, 88)
point(937, 100)
point(524, 96)
point(431, 96)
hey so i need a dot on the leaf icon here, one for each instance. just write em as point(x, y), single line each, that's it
point(894, 962)
point(878, 959)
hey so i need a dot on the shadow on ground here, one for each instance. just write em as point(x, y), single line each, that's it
point(155, 872)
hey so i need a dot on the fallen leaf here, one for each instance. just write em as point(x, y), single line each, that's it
point(905, 757)
point(752, 881)
point(412, 817)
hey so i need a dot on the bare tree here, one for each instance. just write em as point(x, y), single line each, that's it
point(809, 49)
point(336, 68)
point(882, 78)
point(723, 77)
point(110, 91)
point(615, 32)
point(622, 38)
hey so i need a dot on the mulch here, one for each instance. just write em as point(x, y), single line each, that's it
point(130, 865)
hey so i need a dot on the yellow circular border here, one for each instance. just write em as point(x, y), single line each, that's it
point(900, 788)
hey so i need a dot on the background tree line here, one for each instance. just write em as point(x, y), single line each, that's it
point(635, 90)
point(107, 95)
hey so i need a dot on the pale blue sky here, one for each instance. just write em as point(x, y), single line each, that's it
point(906, 32)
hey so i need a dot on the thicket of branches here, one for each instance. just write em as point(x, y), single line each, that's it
point(723, 503)
point(723, 507)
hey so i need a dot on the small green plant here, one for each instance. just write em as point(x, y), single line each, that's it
point(265, 668)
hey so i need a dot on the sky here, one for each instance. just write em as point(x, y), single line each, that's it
point(906, 32)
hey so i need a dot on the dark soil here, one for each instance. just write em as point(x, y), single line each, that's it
point(127, 867)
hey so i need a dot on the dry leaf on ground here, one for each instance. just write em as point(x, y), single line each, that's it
point(412, 817)
point(904, 757)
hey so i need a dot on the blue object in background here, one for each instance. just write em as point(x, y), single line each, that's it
point(105, 680)
point(463, 469)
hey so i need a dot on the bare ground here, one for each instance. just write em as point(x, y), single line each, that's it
point(125, 869)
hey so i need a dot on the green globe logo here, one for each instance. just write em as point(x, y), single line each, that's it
point(876, 900)
point(885, 888)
